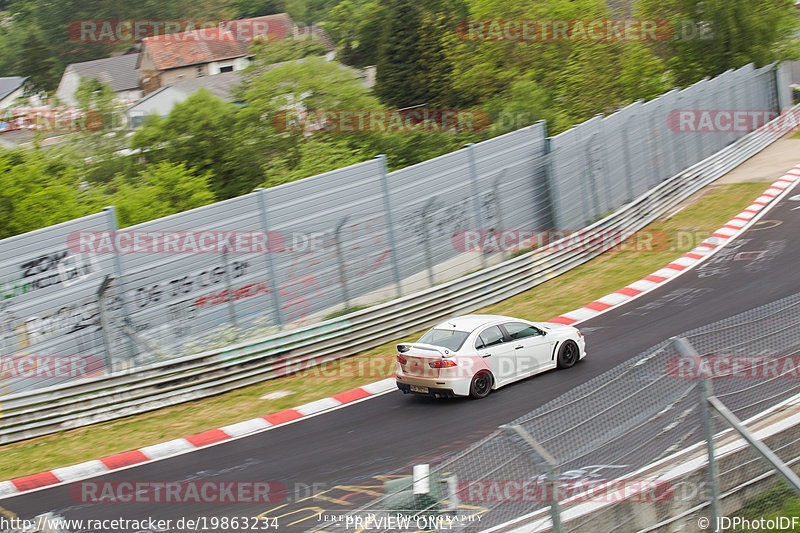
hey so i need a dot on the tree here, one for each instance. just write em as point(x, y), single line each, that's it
point(269, 53)
point(38, 62)
point(96, 96)
point(37, 190)
point(436, 67)
point(712, 36)
point(525, 103)
point(398, 83)
point(200, 132)
point(644, 75)
point(312, 84)
point(258, 8)
point(160, 190)
point(342, 28)
point(311, 157)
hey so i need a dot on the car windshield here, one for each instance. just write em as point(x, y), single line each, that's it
point(446, 338)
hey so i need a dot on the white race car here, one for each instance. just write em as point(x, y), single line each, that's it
point(471, 355)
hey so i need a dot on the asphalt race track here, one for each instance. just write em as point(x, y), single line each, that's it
point(343, 456)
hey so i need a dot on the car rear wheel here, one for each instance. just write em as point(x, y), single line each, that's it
point(568, 354)
point(481, 385)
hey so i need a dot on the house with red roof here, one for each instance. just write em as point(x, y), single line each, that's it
point(169, 58)
point(175, 57)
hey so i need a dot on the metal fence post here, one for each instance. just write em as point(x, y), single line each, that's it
point(229, 291)
point(111, 213)
point(499, 211)
point(685, 349)
point(761, 449)
point(550, 179)
point(699, 136)
point(653, 146)
point(387, 207)
point(626, 158)
point(426, 240)
point(776, 85)
point(589, 172)
point(476, 200)
point(550, 467)
point(101, 307)
point(674, 162)
point(273, 286)
point(342, 274)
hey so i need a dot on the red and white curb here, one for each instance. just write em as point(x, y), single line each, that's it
point(164, 450)
point(732, 229)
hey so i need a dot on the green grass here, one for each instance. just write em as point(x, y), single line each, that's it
point(778, 501)
point(588, 282)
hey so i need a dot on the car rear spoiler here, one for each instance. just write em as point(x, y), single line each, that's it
point(406, 346)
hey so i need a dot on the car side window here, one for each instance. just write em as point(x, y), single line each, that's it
point(519, 330)
point(491, 336)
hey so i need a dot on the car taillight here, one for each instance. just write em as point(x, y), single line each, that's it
point(444, 363)
point(402, 360)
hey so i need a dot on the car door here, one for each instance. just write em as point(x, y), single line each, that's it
point(492, 346)
point(531, 347)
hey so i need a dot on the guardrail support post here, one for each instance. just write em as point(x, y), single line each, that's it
point(626, 158)
point(273, 286)
point(685, 348)
point(101, 306)
point(759, 447)
point(340, 258)
point(111, 212)
point(476, 194)
point(499, 212)
point(551, 470)
point(426, 240)
point(229, 290)
point(387, 207)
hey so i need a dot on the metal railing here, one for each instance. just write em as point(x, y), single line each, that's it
point(301, 252)
point(699, 428)
point(44, 411)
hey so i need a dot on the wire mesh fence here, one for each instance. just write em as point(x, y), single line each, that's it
point(306, 251)
point(627, 450)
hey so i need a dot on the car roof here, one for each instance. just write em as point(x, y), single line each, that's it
point(472, 322)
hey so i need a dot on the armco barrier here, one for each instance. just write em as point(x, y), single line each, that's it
point(44, 411)
point(743, 476)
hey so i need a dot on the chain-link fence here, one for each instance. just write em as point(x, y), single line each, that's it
point(627, 450)
point(305, 251)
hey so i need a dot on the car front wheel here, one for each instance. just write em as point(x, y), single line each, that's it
point(568, 354)
point(481, 385)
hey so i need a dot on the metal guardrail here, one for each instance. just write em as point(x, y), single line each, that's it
point(45, 411)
